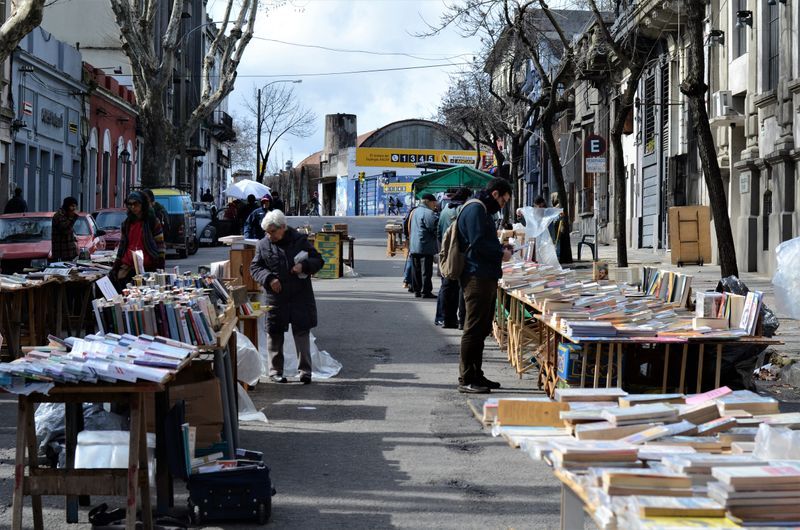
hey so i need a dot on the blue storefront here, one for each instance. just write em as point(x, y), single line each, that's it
point(48, 98)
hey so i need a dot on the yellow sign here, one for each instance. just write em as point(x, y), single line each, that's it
point(397, 187)
point(328, 246)
point(389, 157)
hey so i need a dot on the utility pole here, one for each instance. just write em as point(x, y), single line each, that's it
point(259, 121)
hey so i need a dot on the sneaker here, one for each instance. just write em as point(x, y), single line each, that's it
point(405, 285)
point(277, 378)
point(305, 379)
point(438, 323)
point(494, 385)
point(473, 388)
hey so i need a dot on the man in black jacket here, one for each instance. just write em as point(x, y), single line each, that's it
point(285, 272)
point(16, 204)
point(482, 268)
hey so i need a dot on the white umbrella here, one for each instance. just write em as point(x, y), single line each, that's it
point(246, 187)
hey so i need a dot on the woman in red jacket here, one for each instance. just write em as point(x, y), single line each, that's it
point(142, 231)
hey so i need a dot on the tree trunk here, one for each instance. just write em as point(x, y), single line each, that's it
point(565, 246)
point(695, 88)
point(159, 146)
point(25, 16)
point(622, 108)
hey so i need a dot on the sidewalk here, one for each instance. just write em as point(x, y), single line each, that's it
point(706, 278)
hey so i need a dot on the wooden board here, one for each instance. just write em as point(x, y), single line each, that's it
point(690, 234)
point(530, 413)
point(240, 267)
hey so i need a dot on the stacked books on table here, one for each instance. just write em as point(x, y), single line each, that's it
point(758, 494)
point(572, 454)
point(176, 279)
point(100, 358)
point(183, 314)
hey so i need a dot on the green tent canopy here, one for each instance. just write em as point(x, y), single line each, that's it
point(453, 177)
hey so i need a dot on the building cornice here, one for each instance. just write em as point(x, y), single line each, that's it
point(765, 99)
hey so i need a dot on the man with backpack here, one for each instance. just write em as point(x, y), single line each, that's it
point(476, 257)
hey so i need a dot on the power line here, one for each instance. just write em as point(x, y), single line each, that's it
point(439, 57)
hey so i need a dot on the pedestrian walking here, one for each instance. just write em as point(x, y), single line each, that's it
point(16, 204)
point(252, 227)
point(283, 265)
point(141, 230)
point(450, 296)
point(207, 197)
point(277, 202)
point(313, 206)
point(245, 210)
point(483, 257)
point(422, 246)
point(159, 210)
point(64, 243)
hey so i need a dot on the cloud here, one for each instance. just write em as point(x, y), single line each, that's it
point(376, 98)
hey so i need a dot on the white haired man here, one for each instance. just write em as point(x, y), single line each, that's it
point(285, 272)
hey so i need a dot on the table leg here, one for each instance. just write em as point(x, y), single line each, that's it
point(610, 367)
point(571, 510)
point(619, 365)
point(666, 369)
point(597, 366)
point(144, 484)
point(31, 318)
point(61, 304)
point(134, 440)
point(19, 465)
point(164, 496)
point(584, 360)
point(33, 457)
point(700, 368)
point(718, 369)
point(71, 412)
point(683, 367)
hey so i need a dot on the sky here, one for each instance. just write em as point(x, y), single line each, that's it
point(384, 26)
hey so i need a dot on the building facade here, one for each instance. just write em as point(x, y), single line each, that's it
point(50, 103)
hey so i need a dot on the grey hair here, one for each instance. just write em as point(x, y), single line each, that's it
point(274, 218)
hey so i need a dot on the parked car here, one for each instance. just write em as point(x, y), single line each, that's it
point(181, 233)
point(206, 231)
point(25, 237)
point(110, 220)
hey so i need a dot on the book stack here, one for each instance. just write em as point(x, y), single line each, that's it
point(672, 287)
point(660, 431)
point(588, 328)
point(98, 358)
point(568, 395)
point(645, 399)
point(699, 465)
point(758, 494)
point(691, 507)
point(646, 482)
point(656, 412)
point(574, 454)
point(747, 401)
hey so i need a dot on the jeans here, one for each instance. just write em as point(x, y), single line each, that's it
point(303, 344)
point(479, 298)
point(407, 271)
point(422, 273)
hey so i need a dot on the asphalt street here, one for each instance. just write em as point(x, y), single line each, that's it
point(387, 443)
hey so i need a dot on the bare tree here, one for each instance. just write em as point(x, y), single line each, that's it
point(694, 87)
point(243, 148)
point(153, 65)
point(25, 16)
point(277, 113)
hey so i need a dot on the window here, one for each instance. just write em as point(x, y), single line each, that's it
point(773, 46)
point(649, 110)
point(739, 33)
point(765, 214)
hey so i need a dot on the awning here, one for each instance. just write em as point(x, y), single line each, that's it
point(454, 177)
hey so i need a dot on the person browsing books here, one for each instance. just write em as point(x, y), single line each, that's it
point(252, 226)
point(64, 243)
point(483, 257)
point(283, 265)
point(140, 231)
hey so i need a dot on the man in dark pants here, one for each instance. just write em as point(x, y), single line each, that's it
point(482, 268)
point(422, 246)
point(447, 308)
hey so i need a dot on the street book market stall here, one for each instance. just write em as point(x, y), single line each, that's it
point(164, 355)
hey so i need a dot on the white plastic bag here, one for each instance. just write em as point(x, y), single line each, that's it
point(247, 409)
point(323, 366)
point(787, 278)
point(776, 443)
point(537, 227)
point(249, 364)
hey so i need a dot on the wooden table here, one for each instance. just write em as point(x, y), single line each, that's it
point(70, 482)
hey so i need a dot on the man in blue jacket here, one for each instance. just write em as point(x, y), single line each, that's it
point(422, 246)
point(484, 256)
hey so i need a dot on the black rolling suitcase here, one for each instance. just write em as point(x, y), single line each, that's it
point(243, 493)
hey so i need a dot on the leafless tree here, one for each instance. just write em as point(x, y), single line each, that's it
point(243, 148)
point(25, 16)
point(694, 87)
point(277, 113)
point(152, 51)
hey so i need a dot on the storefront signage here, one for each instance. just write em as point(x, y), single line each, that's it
point(388, 157)
point(51, 118)
point(596, 164)
point(27, 108)
point(397, 187)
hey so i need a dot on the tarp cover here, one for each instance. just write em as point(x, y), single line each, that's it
point(454, 177)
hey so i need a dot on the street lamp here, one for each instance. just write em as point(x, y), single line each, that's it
point(259, 121)
point(125, 158)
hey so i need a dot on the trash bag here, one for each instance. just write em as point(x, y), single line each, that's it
point(249, 364)
point(323, 365)
point(51, 426)
point(537, 225)
point(787, 278)
point(739, 361)
point(769, 321)
point(247, 409)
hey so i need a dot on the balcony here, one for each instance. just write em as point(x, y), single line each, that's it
point(222, 126)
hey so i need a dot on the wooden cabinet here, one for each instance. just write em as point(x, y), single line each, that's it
point(240, 267)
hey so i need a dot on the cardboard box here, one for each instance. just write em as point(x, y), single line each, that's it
point(570, 362)
point(203, 401)
point(543, 413)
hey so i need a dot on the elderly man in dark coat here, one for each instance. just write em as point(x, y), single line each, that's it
point(283, 264)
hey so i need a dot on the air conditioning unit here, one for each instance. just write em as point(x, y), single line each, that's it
point(721, 103)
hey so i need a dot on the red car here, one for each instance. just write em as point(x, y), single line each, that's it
point(110, 220)
point(26, 236)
